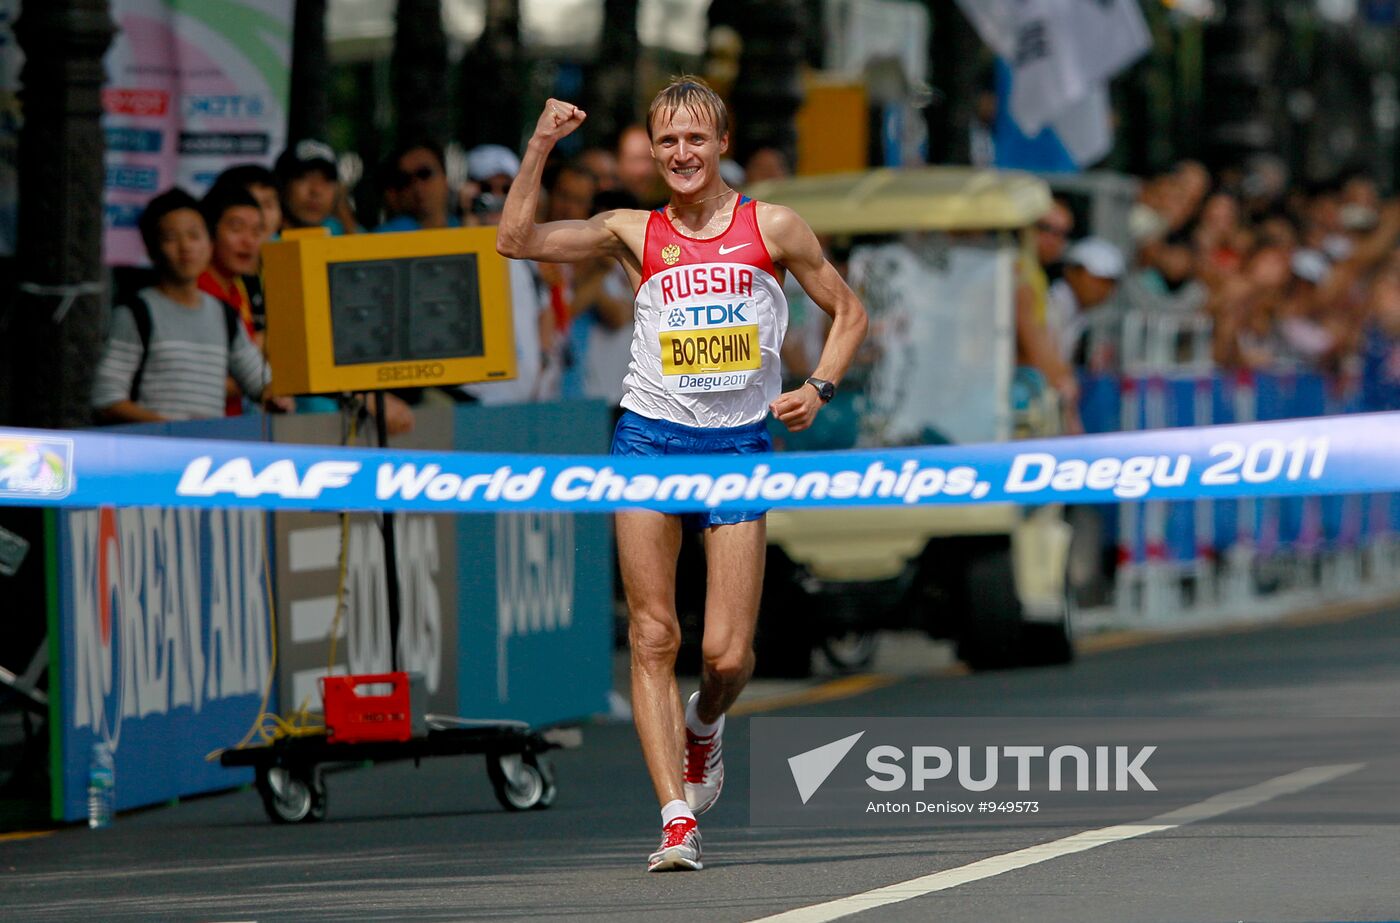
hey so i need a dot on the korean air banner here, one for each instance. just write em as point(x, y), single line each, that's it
point(162, 623)
point(1326, 455)
point(193, 86)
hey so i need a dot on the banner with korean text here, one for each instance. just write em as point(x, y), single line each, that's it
point(193, 87)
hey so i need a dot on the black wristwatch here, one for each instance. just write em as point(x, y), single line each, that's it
point(825, 389)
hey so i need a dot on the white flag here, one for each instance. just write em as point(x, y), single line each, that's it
point(1059, 51)
point(1085, 128)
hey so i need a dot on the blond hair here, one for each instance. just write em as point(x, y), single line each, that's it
point(693, 94)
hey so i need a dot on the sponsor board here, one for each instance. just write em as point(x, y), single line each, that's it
point(193, 89)
point(309, 569)
point(536, 612)
point(164, 646)
point(163, 640)
point(309, 581)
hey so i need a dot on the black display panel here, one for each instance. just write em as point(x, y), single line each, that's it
point(407, 309)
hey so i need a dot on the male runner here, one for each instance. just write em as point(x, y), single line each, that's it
point(710, 318)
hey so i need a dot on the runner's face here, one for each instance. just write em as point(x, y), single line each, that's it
point(688, 148)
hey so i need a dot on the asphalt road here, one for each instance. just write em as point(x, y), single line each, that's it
point(1309, 828)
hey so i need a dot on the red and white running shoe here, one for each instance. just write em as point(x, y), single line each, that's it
point(704, 768)
point(680, 848)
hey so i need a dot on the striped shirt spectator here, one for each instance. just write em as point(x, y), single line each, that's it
point(186, 362)
point(171, 350)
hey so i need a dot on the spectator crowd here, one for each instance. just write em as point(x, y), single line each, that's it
point(1265, 274)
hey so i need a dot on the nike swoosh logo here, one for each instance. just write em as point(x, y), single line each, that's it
point(723, 250)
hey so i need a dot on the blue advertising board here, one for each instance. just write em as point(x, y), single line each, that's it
point(162, 643)
point(534, 589)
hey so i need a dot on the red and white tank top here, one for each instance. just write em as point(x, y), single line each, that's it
point(710, 320)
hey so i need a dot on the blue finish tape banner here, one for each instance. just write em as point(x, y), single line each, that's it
point(1325, 455)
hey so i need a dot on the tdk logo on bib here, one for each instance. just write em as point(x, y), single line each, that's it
point(713, 315)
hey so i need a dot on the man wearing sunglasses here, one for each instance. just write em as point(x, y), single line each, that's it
point(418, 181)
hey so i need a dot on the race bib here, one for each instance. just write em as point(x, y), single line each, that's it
point(706, 348)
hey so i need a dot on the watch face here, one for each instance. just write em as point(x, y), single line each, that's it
point(825, 389)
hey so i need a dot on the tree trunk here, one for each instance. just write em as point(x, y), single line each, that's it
point(60, 213)
point(611, 101)
point(1242, 108)
point(491, 77)
point(420, 72)
point(768, 91)
point(308, 107)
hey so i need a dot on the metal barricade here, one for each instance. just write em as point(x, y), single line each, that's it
point(1200, 562)
point(1166, 558)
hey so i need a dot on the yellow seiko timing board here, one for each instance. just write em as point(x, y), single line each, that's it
point(363, 312)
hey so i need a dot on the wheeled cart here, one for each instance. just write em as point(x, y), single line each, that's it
point(291, 770)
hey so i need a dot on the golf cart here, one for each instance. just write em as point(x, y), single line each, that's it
point(932, 253)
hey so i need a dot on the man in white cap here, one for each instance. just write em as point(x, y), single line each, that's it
point(492, 168)
point(1093, 268)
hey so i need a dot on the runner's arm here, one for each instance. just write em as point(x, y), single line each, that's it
point(791, 242)
point(518, 236)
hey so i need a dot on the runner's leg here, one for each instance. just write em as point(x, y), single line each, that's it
point(647, 546)
point(734, 558)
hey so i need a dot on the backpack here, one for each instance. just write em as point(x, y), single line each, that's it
point(141, 314)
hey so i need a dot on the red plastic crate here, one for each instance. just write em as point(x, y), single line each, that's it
point(352, 717)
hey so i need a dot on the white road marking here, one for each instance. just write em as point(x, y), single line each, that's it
point(995, 865)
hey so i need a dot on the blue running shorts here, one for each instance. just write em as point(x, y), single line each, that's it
point(639, 435)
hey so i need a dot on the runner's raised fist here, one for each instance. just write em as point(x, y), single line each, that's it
point(558, 120)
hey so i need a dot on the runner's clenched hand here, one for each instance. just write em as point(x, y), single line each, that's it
point(797, 409)
point(558, 120)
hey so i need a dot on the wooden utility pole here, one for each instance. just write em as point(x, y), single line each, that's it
point(55, 324)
